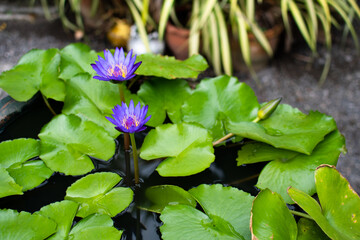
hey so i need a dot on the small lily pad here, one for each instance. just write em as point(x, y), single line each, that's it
point(298, 171)
point(95, 194)
point(287, 128)
point(270, 217)
point(67, 142)
point(187, 148)
point(339, 213)
point(169, 67)
point(158, 197)
point(37, 70)
point(164, 97)
point(8, 186)
point(23, 225)
point(219, 100)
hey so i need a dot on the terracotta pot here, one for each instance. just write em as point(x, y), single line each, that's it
point(258, 55)
point(177, 39)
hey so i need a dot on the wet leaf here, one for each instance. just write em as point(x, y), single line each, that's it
point(37, 70)
point(169, 67)
point(158, 197)
point(339, 213)
point(67, 142)
point(164, 97)
point(23, 225)
point(95, 194)
point(270, 217)
point(287, 128)
point(186, 147)
point(219, 100)
point(298, 171)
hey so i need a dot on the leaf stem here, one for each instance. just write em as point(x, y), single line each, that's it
point(135, 157)
point(48, 105)
point(231, 134)
point(300, 214)
point(121, 92)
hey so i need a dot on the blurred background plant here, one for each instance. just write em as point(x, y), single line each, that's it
point(228, 32)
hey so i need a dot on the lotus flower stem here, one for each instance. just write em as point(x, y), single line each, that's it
point(300, 214)
point(48, 105)
point(135, 157)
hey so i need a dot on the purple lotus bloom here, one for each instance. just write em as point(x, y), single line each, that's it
point(117, 67)
point(129, 119)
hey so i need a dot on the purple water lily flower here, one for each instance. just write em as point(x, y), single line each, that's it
point(129, 119)
point(117, 67)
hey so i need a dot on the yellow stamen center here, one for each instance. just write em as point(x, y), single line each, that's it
point(117, 70)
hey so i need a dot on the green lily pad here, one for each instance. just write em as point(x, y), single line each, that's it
point(227, 203)
point(76, 58)
point(8, 186)
point(94, 227)
point(298, 171)
point(23, 225)
point(18, 151)
point(219, 100)
point(92, 100)
point(67, 142)
point(158, 197)
point(37, 70)
point(270, 218)
point(287, 128)
point(63, 214)
point(169, 67)
point(190, 223)
point(339, 213)
point(30, 174)
point(95, 194)
point(187, 148)
point(164, 97)
point(309, 230)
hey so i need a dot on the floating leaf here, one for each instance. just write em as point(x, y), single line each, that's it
point(37, 70)
point(63, 214)
point(17, 173)
point(287, 128)
point(270, 218)
point(18, 151)
point(309, 230)
point(76, 58)
point(30, 174)
point(219, 100)
point(339, 213)
point(159, 197)
point(94, 227)
point(190, 223)
point(92, 100)
point(187, 148)
point(67, 142)
point(164, 97)
point(227, 203)
point(95, 194)
point(298, 171)
point(23, 225)
point(8, 186)
point(169, 67)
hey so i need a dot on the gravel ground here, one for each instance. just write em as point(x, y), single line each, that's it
point(286, 76)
